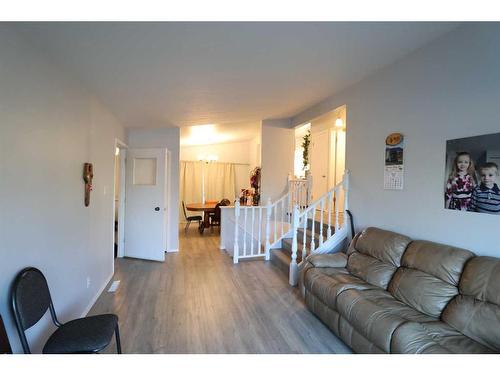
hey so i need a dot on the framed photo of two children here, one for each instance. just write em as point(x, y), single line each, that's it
point(472, 174)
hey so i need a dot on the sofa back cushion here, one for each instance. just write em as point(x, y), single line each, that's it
point(476, 311)
point(429, 275)
point(375, 255)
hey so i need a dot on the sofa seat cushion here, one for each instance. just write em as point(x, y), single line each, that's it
point(355, 340)
point(327, 283)
point(376, 314)
point(433, 338)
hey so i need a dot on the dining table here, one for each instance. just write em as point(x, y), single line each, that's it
point(207, 208)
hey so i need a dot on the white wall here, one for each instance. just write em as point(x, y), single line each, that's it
point(448, 89)
point(49, 127)
point(166, 138)
point(255, 150)
point(278, 145)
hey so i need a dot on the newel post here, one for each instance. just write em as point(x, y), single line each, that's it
point(236, 248)
point(294, 269)
point(309, 178)
point(269, 208)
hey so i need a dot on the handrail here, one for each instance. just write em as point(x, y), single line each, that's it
point(299, 190)
point(277, 220)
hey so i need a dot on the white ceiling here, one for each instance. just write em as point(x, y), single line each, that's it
point(182, 74)
point(219, 133)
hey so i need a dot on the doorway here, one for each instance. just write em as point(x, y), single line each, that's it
point(119, 199)
point(320, 148)
point(328, 146)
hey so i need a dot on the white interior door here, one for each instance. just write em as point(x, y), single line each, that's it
point(145, 212)
point(320, 153)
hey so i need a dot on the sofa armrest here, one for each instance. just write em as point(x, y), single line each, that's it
point(328, 260)
point(336, 260)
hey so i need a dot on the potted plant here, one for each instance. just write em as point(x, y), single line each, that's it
point(306, 141)
point(255, 184)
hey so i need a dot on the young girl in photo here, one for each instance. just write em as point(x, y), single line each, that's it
point(461, 183)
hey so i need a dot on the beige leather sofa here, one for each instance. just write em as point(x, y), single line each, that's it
point(390, 294)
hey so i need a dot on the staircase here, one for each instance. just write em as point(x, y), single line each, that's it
point(288, 230)
point(281, 257)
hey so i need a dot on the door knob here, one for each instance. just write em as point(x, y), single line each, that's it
point(157, 208)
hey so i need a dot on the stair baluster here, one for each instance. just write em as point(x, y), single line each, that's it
point(304, 243)
point(293, 273)
point(313, 217)
point(322, 211)
point(236, 248)
point(329, 229)
point(269, 208)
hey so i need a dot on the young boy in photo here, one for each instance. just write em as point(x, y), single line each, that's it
point(486, 196)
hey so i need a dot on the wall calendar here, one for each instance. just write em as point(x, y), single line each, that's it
point(394, 162)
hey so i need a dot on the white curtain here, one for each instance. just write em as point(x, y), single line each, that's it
point(220, 181)
point(190, 184)
point(216, 179)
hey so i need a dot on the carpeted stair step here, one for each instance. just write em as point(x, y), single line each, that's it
point(317, 224)
point(280, 259)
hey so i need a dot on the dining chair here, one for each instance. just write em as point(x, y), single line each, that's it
point(189, 219)
point(216, 217)
point(30, 301)
point(225, 202)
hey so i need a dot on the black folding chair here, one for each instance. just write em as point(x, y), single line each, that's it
point(30, 301)
point(189, 219)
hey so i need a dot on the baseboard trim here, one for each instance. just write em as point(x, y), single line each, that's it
point(94, 299)
point(173, 251)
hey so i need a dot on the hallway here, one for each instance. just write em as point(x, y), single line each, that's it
point(199, 302)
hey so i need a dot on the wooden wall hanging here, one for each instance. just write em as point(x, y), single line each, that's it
point(88, 175)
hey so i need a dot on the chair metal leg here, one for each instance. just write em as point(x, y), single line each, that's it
point(187, 226)
point(117, 337)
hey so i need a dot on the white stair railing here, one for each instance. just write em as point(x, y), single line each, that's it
point(327, 211)
point(252, 221)
point(260, 225)
point(252, 231)
point(299, 191)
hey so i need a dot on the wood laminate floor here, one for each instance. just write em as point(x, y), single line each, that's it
point(197, 301)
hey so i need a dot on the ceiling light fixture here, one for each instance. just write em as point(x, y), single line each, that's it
point(208, 158)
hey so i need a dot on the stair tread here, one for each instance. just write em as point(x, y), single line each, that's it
point(288, 253)
point(282, 254)
point(316, 233)
point(287, 242)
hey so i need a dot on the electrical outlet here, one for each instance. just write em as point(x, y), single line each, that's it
point(88, 282)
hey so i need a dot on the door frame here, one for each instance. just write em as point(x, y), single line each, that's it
point(121, 204)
